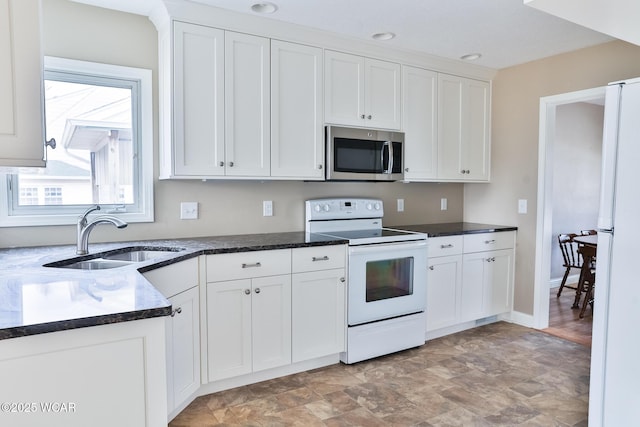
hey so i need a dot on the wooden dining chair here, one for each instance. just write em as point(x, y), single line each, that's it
point(571, 257)
point(587, 281)
point(588, 232)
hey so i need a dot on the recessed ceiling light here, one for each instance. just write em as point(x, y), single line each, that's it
point(264, 7)
point(470, 57)
point(383, 36)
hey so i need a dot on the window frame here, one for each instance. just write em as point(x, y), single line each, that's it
point(11, 216)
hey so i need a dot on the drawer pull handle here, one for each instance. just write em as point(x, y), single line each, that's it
point(176, 311)
point(489, 242)
point(320, 258)
point(257, 291)
point(446, 246)
point(255, 264)
point(491, 259)
point(247, 291)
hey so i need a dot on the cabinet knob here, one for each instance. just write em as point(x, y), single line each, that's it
point(406, 169)
point(431, 267)
point(257, 290)
point(342, 280)
point(221, 164)
point(247, 291)
point(51, 143)
point(319, 166)
point(230, 164)
point(369, 117)
point(362, 116)
point(176, 311)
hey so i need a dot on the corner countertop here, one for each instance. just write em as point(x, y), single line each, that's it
point(453, 228)
point(35, 299)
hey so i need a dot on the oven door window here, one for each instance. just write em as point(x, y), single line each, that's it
point(389, 278)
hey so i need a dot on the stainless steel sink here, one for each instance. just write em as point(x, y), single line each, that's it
point(116, 258)
point(94, 264)
point(137, 255)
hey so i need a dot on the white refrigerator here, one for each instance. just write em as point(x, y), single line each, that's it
point(614, 393)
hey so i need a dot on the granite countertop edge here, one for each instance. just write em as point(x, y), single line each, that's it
point(25, 267)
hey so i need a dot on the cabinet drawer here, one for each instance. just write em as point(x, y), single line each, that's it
point(445, 246)
point(243, 265)
point(318, 258)
point(488, 241)
point(174, 278)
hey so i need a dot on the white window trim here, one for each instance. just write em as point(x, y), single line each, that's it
point(144, 76)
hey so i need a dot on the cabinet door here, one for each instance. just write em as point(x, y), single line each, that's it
point(463, 129)
point(271, 321)
point(198, 93)
point(344, 91)
point(297, 132)
point(473, 294)
point(318, 314)
point(21, 99)
point(382, 94)
point(247, 103)
point(499, 277)
point(419, 123)
point(229, 328)
point(183, 347)
point(444, 287)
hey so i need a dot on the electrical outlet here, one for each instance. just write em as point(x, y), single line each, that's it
point(267, 208)
point(443, 204)
point(400, 205)
point(189, 210)
point(522, 206)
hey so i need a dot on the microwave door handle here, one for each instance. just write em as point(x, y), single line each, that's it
point(386, 169)
point(390, 148)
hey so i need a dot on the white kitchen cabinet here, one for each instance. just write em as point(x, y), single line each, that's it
point(21, 102)
point(192, 102)
point(444, 282)
point(463, 129)
point(248, 312)
point(361, 91)
point(318, 302)
point(419, 113)
point(179, 284)
point(487, 275)
point(247, 103)
point(297, 130)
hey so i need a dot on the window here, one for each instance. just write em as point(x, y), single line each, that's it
point(100, 118)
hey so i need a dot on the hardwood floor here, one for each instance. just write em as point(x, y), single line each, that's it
point(494, 375)
point(564, 321)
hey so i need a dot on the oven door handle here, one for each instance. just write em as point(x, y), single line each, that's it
point(384, 247)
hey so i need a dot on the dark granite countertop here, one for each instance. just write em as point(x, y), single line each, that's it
point(453, 228)
point(35, 299)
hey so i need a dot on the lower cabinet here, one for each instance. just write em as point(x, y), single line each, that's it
point(318, 302)
point(179, 284)
point(248, 325)
point(470, 277)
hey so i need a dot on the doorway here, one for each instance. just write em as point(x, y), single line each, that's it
point(546, 160)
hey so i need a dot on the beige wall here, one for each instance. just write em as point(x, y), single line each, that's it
point(83, 32)
point(515, 111)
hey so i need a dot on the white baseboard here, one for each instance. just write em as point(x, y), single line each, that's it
point(521, 319)
point(555, 283)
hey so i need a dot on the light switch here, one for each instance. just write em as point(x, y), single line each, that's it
point(400, 205)
point(267, 208)
point(522, 206)
point(443, 204)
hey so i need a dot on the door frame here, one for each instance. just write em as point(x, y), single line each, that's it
point(544, 215)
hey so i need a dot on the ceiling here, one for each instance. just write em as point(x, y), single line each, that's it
point(504, 32)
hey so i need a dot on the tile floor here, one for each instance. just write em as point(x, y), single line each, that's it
point(497, 374)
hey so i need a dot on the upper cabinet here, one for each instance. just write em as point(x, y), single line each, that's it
point(361, 91)
point(21, 102)
point(419, 112)
point(232, 108)
point(297, 132)
point(463, 129)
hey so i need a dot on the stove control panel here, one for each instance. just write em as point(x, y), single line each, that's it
point(343, 208)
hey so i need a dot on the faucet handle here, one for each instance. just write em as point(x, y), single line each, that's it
point(88, 211)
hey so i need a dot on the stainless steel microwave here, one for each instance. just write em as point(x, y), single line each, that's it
point(355, 154)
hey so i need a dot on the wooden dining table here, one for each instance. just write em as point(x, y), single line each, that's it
point(587, 247)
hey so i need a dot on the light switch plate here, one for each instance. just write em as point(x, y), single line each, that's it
point(267, 208)
point(189, 210)
point(443, 204)
point(522, 206)
point(400, 205)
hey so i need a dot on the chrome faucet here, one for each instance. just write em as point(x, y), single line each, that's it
point(84, 227)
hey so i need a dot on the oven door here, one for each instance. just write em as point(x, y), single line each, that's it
point(386, 280)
